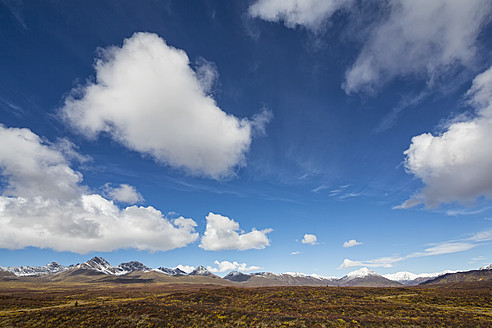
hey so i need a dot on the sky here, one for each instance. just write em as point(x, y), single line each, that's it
point(264, 135)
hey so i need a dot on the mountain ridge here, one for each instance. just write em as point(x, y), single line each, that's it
point(99, 267)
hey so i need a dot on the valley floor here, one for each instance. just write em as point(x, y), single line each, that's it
point(188, 305)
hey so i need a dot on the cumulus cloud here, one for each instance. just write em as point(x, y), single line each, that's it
point(221, 233)
point(351, 243)
point(33, 169)
point(45, 205)
point(426, 38)
point(148, 98)
point(455, 166)
point(306, 13)
point(124, 193)
point(310, 239)
point(231, 266)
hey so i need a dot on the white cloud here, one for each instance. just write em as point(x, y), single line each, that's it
point(45, 205)
point(147, 97)
point(222, 233)
point(444, 248)
point(383, 262)
point(455, 166)
point(310, 239)
point(295, 253)
point(413, 38)
point(485, 235)
point(124, 193)
point(307, 13)
point(186, 268)
point(231, 266)
point(351, 243)
point(32, 168)
point(419, 37)
point(436, 249)
point(207, 74)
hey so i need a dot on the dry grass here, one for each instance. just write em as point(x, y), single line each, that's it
point(190, 305)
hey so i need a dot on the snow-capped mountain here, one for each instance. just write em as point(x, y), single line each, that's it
point(101, 265)
point(171, 272)
point(411, 279)
point(365, 277)
point(401, 276)
point(314, 275)
point(133, 266)
point(487, 267)
point(317, 276)
point(24, 271)
point(361, 277)
point(237, 276)
point(361, 273)
point(201, 271)
point(275, 279)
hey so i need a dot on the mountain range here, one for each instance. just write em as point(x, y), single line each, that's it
point(99, 269)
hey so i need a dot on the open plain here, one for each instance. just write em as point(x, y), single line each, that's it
point(62, 304)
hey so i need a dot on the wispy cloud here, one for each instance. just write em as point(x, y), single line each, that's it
point(443, 248)
point(478, 259)
point(349, 195)
point(382, 262)
point(319, 188)
point(15, 9)
point(467, 212)
point(485, 235)
point(446, 247)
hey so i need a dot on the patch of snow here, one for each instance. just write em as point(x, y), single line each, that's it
point(361, 273)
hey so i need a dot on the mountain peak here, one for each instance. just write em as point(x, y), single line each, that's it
point(361, 273)
point(487, 267)
point(201, 271)
point(97, 260)
point(171, 272)
point(133, 266)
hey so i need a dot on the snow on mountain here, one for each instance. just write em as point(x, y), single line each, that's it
point(317, 276)
point(487, 267)
point(171, 272)
point(24, 270)
point(296, 274)
point(401, 276)
point(361, 273)
point(314, 275)
point(237, 276)
point(201, 271)
point(409, 278)
point(133, 266)
point(101, 265)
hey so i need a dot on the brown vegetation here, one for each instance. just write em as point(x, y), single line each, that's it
point(191, 305)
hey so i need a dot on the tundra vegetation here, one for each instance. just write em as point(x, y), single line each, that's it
point(191, 305)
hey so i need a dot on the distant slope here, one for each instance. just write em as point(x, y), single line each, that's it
point(412, 279)
point(365, 278)
point(468, 276)
point(263, 279)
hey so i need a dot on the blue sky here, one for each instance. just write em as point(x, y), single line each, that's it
point(268, 134)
